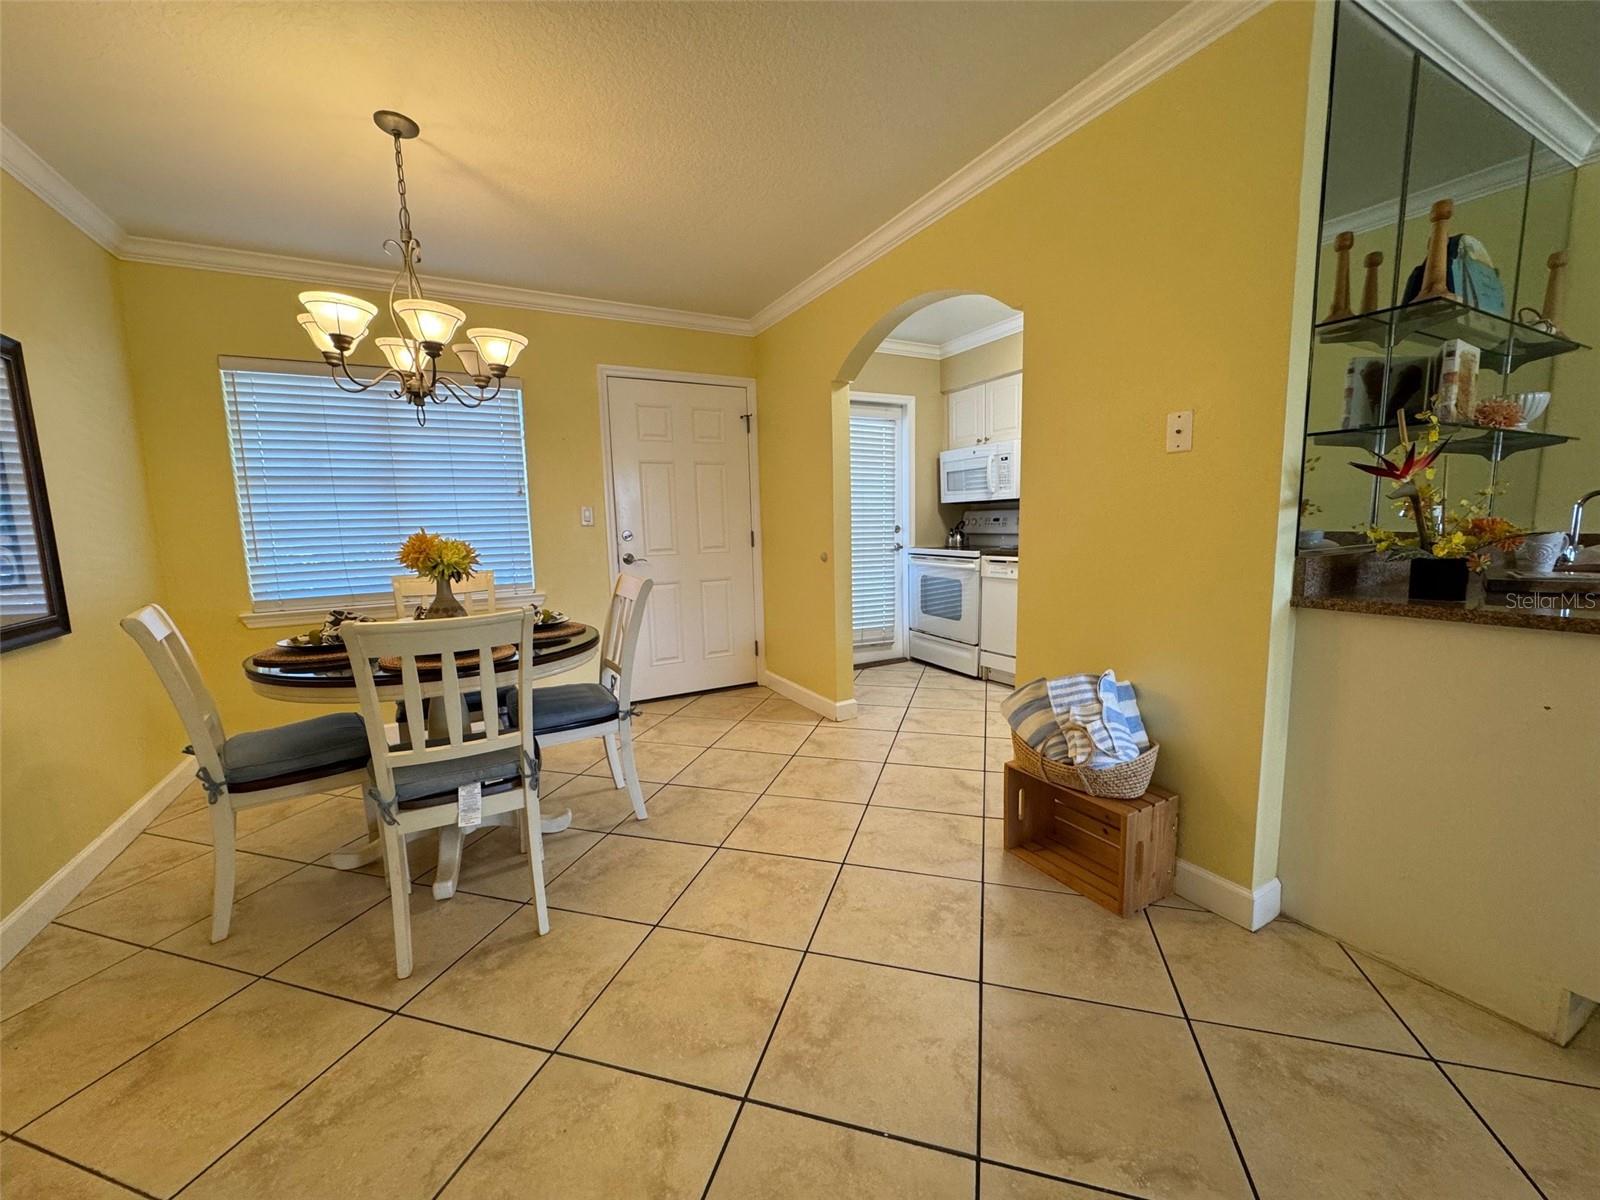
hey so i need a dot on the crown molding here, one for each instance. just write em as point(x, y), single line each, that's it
point(283, 266)
point(1186, 32)
point(44, 181)
point(21, 162)
point(1471, 51)
point(902, 348)
point(1513, 173)
point(1002, 328)
point(959, 344)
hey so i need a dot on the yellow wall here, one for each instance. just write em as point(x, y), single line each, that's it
point(84, 729)
point(1155, 260)
point(982, 363)
point(185, 444)
point(919, 377)
point(1448, 826)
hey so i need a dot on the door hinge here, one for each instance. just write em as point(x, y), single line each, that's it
point(758, 649)
point(752, 538)
point(745, 417)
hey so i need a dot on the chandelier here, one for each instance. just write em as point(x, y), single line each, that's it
point(337, 323)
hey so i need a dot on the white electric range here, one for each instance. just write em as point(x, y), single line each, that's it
point(963, 603)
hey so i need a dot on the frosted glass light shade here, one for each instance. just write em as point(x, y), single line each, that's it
point(336, 313)
point(429, 320)
point(398, 352)
point(322, 341)
point(499, 347)
point(471, 363)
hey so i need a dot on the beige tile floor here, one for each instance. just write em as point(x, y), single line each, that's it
point(813, 972)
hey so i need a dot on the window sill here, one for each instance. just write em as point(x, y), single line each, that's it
point(303, 618)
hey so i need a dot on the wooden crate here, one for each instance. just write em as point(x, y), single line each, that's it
point(1122, 854)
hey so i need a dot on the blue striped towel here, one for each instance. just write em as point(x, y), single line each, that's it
point(1100, 717)
point(1034, 721)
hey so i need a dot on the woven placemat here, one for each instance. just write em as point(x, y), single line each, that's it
point(277, 656)
point(556, 633)
point(464, 658)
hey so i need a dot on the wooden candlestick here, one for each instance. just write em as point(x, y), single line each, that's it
point(1340, 308)
point(1369, 288)
point(1436, 274)
point(1552, 289)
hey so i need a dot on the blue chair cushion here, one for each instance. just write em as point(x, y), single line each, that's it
point(569, 706)
point(435, 783)
point(265, 758)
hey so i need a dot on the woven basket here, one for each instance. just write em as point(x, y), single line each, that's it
point(1125, 781)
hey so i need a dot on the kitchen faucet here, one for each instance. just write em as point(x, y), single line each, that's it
point(1571, 552)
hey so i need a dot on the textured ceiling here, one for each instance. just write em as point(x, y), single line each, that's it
point(947, 319)
point(694, 156)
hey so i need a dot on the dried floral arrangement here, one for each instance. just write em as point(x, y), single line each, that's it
point(438, 558)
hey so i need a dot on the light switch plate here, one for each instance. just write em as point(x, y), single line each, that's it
point(1180, 431)
point(586, 515)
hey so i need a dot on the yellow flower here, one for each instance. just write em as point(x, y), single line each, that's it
point(417, 549)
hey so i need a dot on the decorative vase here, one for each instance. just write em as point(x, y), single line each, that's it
point(444, 603)
point(1438, 579)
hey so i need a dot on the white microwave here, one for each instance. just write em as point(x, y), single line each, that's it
point(973, 474)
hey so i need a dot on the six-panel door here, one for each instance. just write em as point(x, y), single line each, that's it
point(681, 496)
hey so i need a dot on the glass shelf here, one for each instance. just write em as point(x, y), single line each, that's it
point(1496, 445)
point(1505, 344)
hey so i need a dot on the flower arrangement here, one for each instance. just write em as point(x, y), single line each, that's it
point(1467, 531)
point(438, 558)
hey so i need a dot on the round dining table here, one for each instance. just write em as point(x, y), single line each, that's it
point(323, 684)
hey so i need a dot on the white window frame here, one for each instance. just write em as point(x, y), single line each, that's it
point(310, 609)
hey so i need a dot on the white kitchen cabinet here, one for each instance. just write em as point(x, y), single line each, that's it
point(985, 412)
point(966, 418)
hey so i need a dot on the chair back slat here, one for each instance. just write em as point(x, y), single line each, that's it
point(476, 594)
point(408, 640)
point(153, 629)
point(620, 639)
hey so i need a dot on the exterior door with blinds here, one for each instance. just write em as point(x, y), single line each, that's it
point(880, 510)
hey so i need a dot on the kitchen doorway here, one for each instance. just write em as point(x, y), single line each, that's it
point(882, 435)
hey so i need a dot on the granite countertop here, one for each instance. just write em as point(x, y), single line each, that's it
point(1358, 581)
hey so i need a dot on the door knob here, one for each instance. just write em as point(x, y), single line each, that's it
point(629, 559)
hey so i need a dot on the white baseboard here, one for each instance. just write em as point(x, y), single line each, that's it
point(46, 903)
point(834, 710)
point(1251, 909)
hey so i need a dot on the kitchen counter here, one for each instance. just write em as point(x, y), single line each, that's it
point(1358, 581)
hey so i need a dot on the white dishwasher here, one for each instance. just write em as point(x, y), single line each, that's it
point(997, 625)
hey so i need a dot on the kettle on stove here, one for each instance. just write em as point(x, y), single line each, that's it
point(956, 539)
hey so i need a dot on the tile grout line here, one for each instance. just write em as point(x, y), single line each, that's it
point(1438, 1066)
point(98, 1174)
point(805, 951)
point(1200, 1051)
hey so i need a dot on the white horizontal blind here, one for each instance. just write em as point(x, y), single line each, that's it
point(22, 594)
point(874, 523)
point(330, 483)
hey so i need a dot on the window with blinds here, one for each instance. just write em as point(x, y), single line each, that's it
point(874, 523)
point(330, 483)
point(22, 582)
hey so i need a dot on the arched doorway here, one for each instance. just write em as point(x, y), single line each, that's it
point(932, 413)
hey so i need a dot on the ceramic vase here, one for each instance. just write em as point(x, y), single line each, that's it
point(444, 603)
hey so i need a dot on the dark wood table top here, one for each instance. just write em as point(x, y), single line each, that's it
point(545, 656)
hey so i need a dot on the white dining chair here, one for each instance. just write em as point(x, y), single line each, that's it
point(414, 780)
point(248, 769)
point(571, 712)
point(476, 594)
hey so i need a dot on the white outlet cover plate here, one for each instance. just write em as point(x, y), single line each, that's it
point(1180, 431)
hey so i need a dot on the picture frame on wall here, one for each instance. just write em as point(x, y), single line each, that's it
point(33, 601)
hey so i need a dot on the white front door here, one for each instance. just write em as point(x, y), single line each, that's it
point(880, 514)
point(680, 481)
